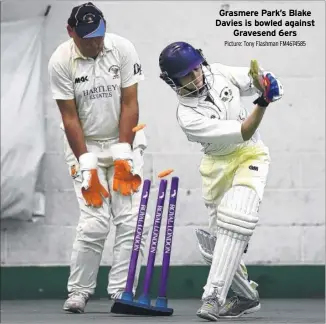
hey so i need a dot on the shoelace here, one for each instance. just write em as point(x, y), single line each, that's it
point(210, 301)
point(117, 295)
point(78, 293)
point(233, 301)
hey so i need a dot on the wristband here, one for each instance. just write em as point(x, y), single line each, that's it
point(260, 101)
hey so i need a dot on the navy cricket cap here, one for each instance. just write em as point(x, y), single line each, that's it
point(88, 21)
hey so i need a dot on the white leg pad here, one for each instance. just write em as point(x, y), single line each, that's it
point(242, 286)
point(238, 211)
point(206, 244)
point(236, 218)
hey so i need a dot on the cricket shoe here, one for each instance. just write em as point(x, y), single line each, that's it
point(116, 295)
point(237, 306)
point(76, 302)
point(209, 310)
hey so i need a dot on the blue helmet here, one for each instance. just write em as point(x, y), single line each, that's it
point(178, 59)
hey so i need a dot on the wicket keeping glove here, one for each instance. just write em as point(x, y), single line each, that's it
point(92, 190)
point(266, 82)
point(125, 179)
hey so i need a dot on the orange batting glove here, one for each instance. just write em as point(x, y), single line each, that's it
point(92, 190)
point(125, 180)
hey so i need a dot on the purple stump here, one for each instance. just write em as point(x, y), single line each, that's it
point(144, 298)
point(128, 293)
point(161, 300)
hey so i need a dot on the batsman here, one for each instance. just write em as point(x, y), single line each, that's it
point(234, 166)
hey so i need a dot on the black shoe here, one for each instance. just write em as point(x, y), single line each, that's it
point(237, 306)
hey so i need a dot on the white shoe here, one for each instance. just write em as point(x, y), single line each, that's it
point(209, 310)
point(76, 302)
point(116, 295)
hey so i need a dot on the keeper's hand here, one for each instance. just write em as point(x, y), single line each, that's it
point(92, 190)
point(125, 179)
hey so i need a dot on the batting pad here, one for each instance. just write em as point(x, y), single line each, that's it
point(242, 286)
point(236, 219)
point(206, 244)
point(226, 259)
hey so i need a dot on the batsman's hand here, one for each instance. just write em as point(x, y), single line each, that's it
point(273, 89)
point(92, 190)
point(267, 83)
point(125, 179)
point(256, 73)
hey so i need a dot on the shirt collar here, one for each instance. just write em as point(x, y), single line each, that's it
point(108, 46)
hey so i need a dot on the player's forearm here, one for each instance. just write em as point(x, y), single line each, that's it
point(128, 120)
point(75, 136)
point(250, 125)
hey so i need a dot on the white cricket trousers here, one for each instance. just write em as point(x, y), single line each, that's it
point(94, 226)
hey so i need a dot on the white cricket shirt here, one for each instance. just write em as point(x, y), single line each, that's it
point(217, 126)
point(95, 84)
